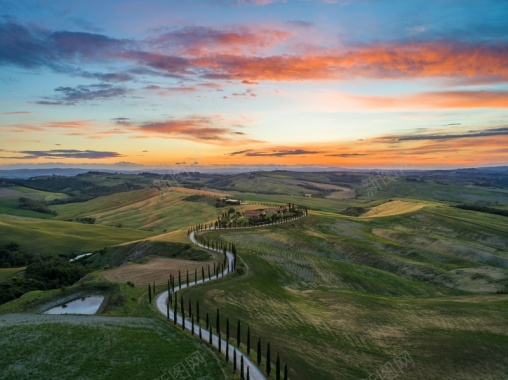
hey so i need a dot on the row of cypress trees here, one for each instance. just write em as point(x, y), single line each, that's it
point(195, 319)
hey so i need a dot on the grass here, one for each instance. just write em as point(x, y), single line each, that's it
point(10, 207)
point(141, 209)
point(58, 237)
point(6, 273)
point(91, 348)
point(329, 284)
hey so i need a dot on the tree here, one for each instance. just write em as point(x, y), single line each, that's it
point(197, 312)
point(238, 334)
point(190, 307)
point(268, 364)
point(187, 278)
point(248, 373)
point(174, 310)
point(183, 313)
point(217, 320)
point(277, 368)
point(234, 359)
point(192, 324)
point(195, 276)
point(179, 280)
point(259, 352)
point(241, 368)
point(248, 340)
point(220, 342)
point(207, 321)
point(285, 372)
point(210, 335)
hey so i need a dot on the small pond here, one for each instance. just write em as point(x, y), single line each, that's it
point(85, 305)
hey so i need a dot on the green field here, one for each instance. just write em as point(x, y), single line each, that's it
point(58, 237)
point(365, 290)
point(84, 347)
point(6, 273)
point(141, 209)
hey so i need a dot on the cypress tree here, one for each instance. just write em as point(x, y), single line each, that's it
point(210, 335)
point(207, 321)
point(259, 352)
point(227, 351)
point(183, 313)
point(187, 278)
point(209, 277)
point(248, 340)
point(220, 343)
point(217, 327)
point(167, 308)
point(248, 373)
point(234, 360)
point(192, 324)
point(285, 372)
point(169, 289)
point(268, 364)
point(195, 276)
point(241, 368)
point(277, 368)
point(238, 334)
point(174, 311)
point(179, 280)
point(203, 273)
point(227, 340)
point(200, 336)
point(197, 312)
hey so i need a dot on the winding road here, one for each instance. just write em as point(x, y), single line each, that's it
point(162, 299)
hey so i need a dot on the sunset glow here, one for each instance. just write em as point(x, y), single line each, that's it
point(326, 83)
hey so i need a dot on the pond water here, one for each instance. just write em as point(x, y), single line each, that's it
point(85, 305)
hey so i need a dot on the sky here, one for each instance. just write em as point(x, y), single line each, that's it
point(325, 83)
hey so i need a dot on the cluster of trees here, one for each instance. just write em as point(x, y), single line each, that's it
point(43, 273)
point(485, 209)
point(79, 187)
point(35, 205)
point(11, 255)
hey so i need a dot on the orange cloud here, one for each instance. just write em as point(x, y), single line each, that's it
point(444, 99)
point(199, 128)
point(430, 59)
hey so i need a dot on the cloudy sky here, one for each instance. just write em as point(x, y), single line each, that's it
point(354, 83)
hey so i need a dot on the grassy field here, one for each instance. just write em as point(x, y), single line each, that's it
point(6, 273)
point(331, 284)
point(146, 209)
point(71, 347)
point(58, 237)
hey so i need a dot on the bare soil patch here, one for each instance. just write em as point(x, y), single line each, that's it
point(157, 269)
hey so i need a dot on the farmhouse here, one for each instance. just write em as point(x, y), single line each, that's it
point(254, 213)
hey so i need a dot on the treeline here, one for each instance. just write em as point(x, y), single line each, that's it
point(35, 205)
point(11, 255)
point(78, 187)
point(485, 209)
point(43, 274)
